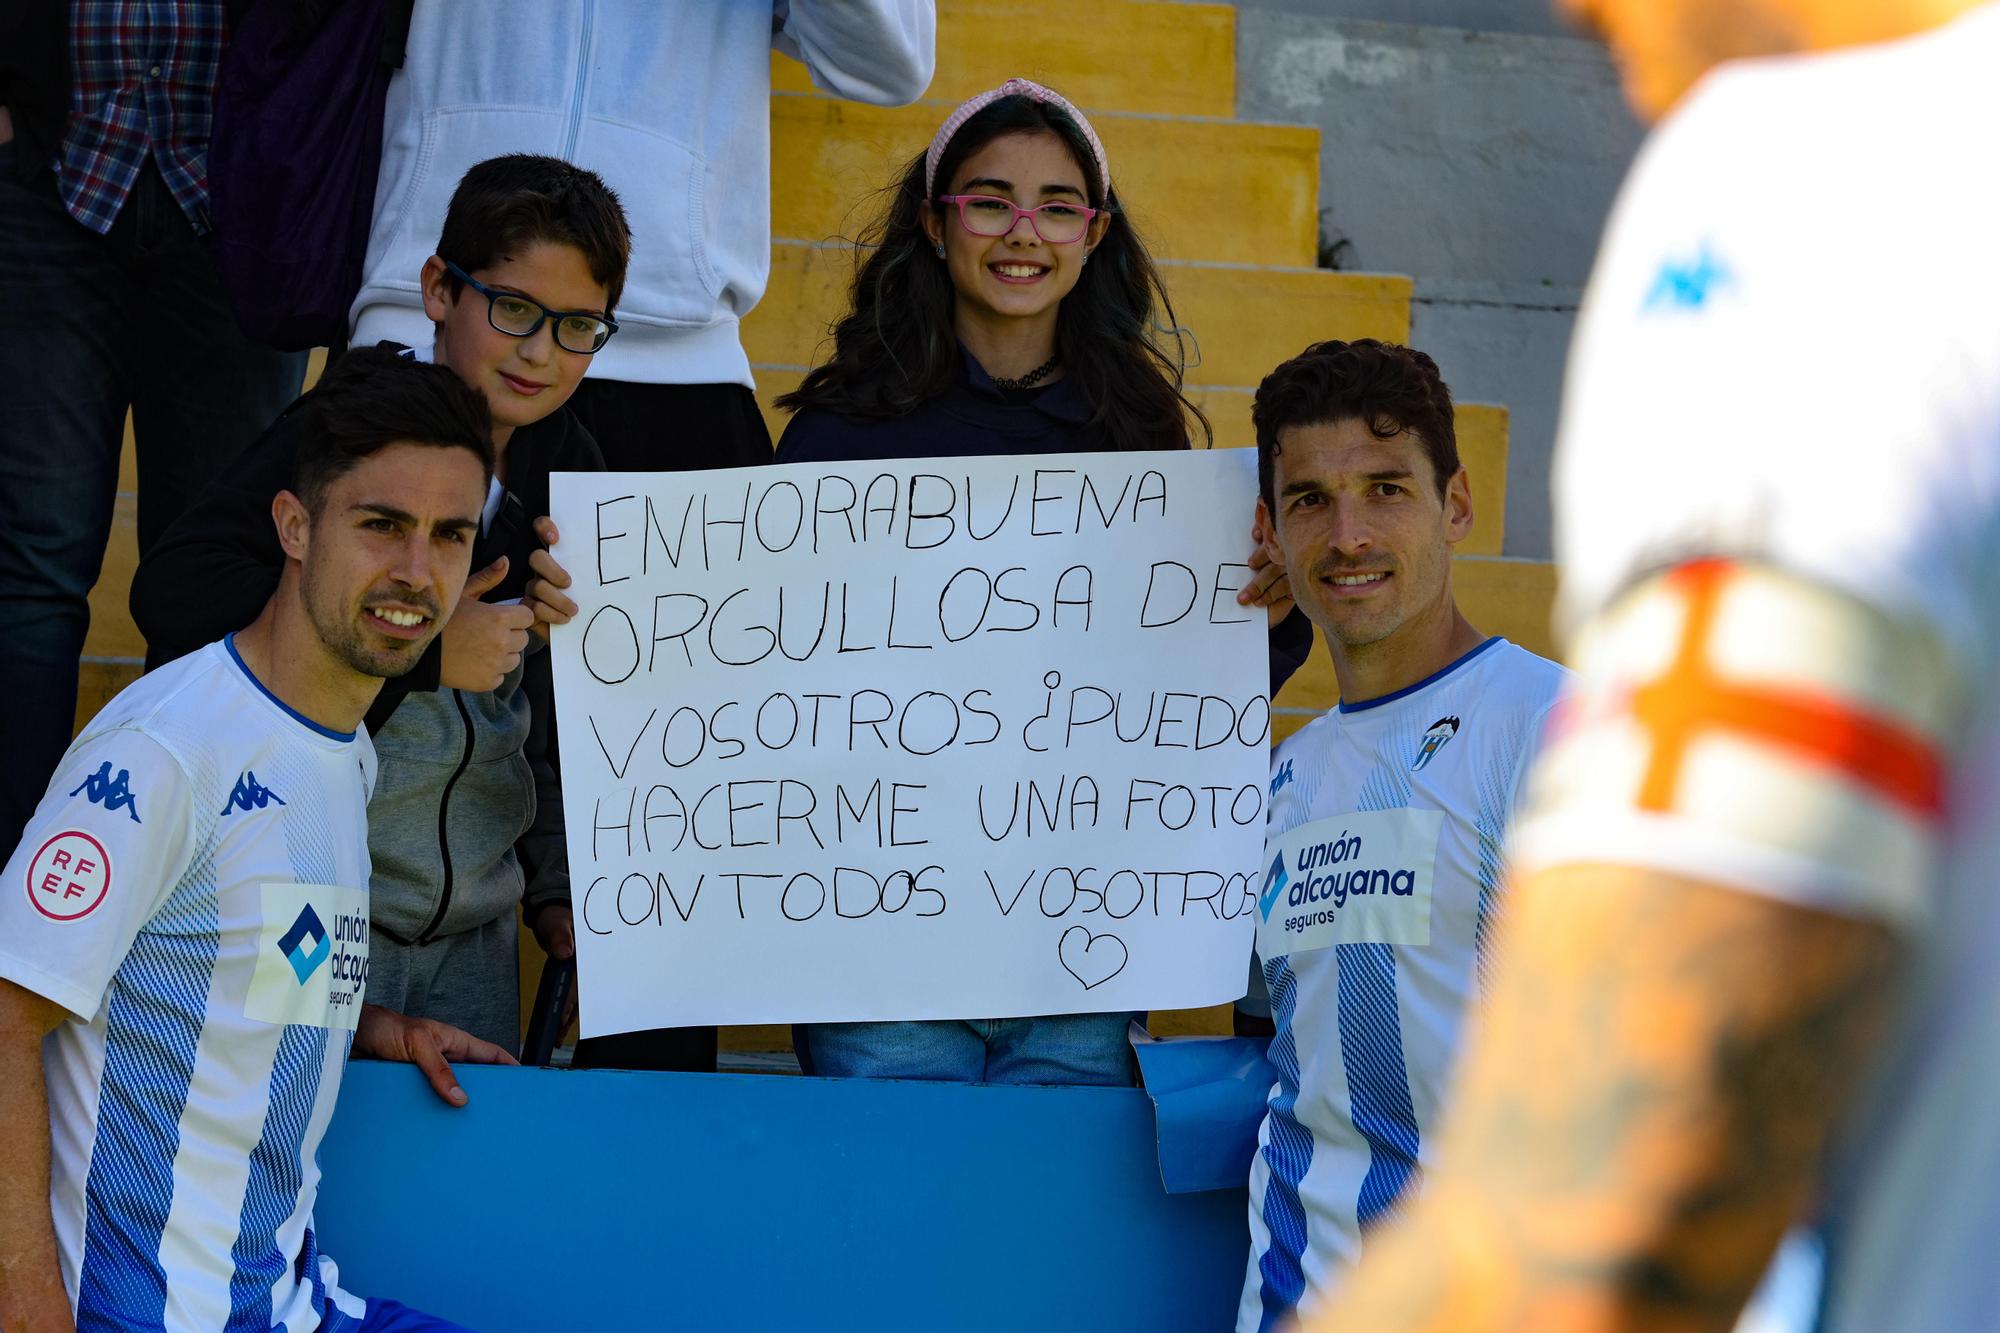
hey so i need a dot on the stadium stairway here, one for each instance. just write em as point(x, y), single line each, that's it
point(1230, 208)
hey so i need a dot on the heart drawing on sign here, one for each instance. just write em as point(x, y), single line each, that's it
point(1091, 959)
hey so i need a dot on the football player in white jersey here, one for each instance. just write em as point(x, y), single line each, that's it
point(1387, 815)
point(1752, 975)
point(184, 926)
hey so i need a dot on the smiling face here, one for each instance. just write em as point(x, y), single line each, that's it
point(1367, 538)
point(387, 553)
point(522, 379)
point(1019, 276)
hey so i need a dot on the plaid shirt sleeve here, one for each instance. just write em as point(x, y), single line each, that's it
point(143, 76)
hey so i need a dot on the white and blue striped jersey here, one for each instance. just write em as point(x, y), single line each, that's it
point(193, 890)
point(1384, 853)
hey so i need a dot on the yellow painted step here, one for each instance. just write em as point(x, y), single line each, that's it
point(98, 680)
point(1104, 55)
point(1217, 1020)
point(1242, 320)
point(1214, 190)
point(1511, 598)
point(112, 633)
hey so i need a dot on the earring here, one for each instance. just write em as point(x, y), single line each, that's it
point(940, 249)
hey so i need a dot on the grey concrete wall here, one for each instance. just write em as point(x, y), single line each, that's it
point(1506, 344)
point(1481, 163)
point(1532, 17)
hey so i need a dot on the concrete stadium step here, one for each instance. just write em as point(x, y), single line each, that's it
point(1104, 55)
point(1511, 598)
point(1258, 184)
point(1242, 319)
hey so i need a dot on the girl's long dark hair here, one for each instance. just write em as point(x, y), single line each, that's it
point(896, 349)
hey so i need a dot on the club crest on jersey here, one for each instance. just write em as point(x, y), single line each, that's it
point(250, 795)
point(1441, 731)
point(1284, 775)
point(1274, 883)
point(306, 945)
point(114, 794)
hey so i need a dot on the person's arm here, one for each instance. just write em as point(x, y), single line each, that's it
point(32, 1299)
point(879, 51)
point(217, 564)
point(545, 592)
point(1269, 585)
point(1251, 1015)
point(105, 846)
point(544, 848)
point(1729, 837)
point(1660, 1066)
point(1291, 643)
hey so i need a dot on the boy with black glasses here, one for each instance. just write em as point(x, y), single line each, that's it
point(521, 292)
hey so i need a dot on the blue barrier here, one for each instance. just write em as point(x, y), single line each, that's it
point(587, 1200)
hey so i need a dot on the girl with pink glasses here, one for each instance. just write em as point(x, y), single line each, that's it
point(1005, 305)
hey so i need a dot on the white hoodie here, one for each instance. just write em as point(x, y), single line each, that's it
point(668, 101)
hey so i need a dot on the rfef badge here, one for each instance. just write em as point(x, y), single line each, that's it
point(1362, 878)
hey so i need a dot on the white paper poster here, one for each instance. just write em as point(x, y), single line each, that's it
point(964, 738)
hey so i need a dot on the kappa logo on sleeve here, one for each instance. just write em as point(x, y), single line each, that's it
point(69, 876)
point(114, 794)
point(1688, 283)
point(250, 795)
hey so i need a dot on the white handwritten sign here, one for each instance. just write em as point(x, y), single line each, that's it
point(967, 738)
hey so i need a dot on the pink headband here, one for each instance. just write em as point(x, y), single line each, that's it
point(972, 106)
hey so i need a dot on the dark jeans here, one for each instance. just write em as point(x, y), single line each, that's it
point(89, 326)
point(667, 428)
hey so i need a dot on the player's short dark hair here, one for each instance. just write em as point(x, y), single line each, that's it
point(1390, 387)
point(508, 203)
point(372, 398)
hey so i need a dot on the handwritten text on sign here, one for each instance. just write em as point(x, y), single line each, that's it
point(965, 738)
